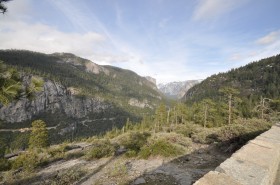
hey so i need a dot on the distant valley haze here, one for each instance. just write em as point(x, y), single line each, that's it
point(167, 40)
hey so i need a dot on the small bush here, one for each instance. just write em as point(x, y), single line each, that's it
point(173, 138)
point(131, 153)
point(133, 141)
point(23, 177)
point(101, 148)
point(205, 136)
point(188, 130)
point(254, 124)
point(30, 160)
point(235, 135)
point(243, 130)
point(57, 152)
point(160, 148)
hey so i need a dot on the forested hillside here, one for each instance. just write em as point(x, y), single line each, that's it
point(76, 97)
point(245, 92)
point(253, 80)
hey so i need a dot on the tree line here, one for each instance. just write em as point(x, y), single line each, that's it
point(209, 113)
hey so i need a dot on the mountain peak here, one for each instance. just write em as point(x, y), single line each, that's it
point(176, 90)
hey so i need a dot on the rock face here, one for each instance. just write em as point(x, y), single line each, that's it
point(151, 79)
point(137, 103)
point(176, 90)
point(152, 82)
point(54, 97)
point(76, 61)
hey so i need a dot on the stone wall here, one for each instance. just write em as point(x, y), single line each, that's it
point(256, 163)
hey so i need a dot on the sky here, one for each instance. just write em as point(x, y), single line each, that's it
point(169, 40)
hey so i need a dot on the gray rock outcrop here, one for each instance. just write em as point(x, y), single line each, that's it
point(54, 97)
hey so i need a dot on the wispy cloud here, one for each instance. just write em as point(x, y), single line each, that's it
point(79, 14)
point(208, 9)
point(262, 47)
point(17, 33)
point(269, 38)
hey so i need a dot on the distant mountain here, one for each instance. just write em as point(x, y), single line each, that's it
point(79, 97)
point(254, 80)
point(176, 90)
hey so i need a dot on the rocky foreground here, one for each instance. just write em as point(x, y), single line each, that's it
point(183, 170)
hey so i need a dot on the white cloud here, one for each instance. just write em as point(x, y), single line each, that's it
point(46, 39)
point(269, 38)
point(260, 49)
point(114, 50)
point(208, 9)
point(17, 32)
point(43, 38)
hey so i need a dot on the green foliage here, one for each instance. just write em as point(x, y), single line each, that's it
point(30, 160)
point(204, 136)
point(23, 177)
point(173, 138)
point(133, 141)
point(253, 81)
point(160, 117)
point(10, 83)
point(101, 148)
point(160, 148)
point(36, 85)
point(131, 153)
point(39, 135)
point(243, 130)
point(57, 152)
point(188, 129)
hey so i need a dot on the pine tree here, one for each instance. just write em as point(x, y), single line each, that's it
point(36, 85)
point(263, 107)
point(209, 111)
point(10, 84)
point(39, 135)
point(161, 117)
point(230, 94)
